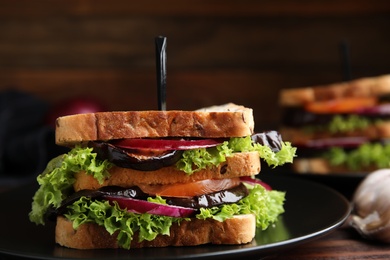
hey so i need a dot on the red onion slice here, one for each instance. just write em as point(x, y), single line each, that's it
point(346, 142)
point(253, 181)
point(142, 206)
point(380, 110)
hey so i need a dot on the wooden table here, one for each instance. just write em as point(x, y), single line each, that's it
point(343, 243)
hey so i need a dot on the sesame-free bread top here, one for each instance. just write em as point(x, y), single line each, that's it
point(228, 120)
point(239, 229)
point(362, 87)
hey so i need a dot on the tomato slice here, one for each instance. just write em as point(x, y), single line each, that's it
point(343, 105)
point(191, 189)
point(166, 144)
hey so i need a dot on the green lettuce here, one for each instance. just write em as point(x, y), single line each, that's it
point(350, 123)
point(56, 182)
point(115, 219)
point(266, 205)
point(343, 124)
point(198, 159)
point(366, 155)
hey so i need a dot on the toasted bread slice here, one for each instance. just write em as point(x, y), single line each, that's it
point(363, 87)
point(240, 229)
point(299, 136)
point(240, 164)
point(228, 120)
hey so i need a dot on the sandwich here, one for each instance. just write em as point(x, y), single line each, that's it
point(339, 128)
point(136, 179)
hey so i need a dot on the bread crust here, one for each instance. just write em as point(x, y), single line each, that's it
point(227, 120)
point(299, 136)
point(240, 229)
point(240, 164)
point(363, 87)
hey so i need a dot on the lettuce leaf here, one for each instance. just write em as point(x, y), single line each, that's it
point(57, 180)
point(266, 205)
point(198, 159)
point(366, 155)
point(343, 124)
point(115, 219)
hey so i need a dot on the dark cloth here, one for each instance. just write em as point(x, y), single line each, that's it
point(26, 142)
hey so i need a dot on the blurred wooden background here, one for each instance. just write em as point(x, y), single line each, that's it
point(217, 51)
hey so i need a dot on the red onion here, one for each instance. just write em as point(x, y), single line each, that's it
point(253, 181)
point(380, 110)
point(353, 141)
point(142, 206)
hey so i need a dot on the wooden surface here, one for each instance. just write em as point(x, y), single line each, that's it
point(218, 51)
point(343, 243)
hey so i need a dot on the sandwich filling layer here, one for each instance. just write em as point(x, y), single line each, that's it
point(150, 209)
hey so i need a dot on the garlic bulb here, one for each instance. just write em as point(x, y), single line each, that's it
point(371, 206)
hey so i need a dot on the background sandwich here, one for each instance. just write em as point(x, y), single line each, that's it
point(339, 128)
point(160, 178)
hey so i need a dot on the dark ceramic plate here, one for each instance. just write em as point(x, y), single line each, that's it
point(312, 210)
point(344, 183)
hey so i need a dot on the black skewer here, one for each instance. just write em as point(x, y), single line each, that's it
point(161, 59)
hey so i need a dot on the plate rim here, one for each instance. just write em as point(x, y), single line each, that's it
point(259, 250)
